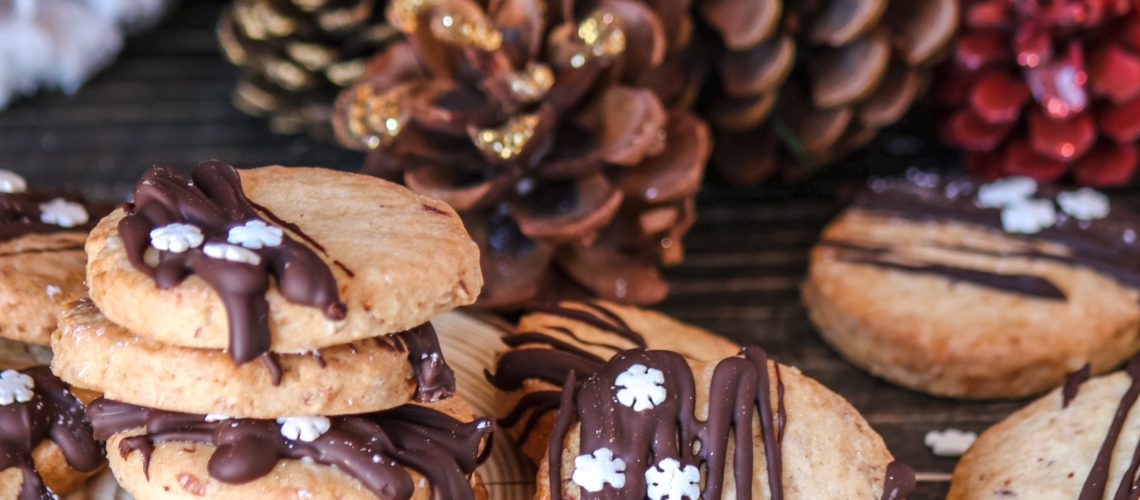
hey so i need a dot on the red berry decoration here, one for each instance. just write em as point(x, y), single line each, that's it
point(1045, 89)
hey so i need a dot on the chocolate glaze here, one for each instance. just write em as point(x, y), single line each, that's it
point(1097, 481)
point(213, 201)
point(55, 414)
point(20, 213)
point(1110, 245)
point(375, 448)
point(740, 388)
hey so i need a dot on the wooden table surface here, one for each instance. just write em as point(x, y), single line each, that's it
point(167, 101)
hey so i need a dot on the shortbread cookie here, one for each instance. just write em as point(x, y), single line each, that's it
point(46, 443)
point(971, 291)
point(366, 375)
point(412, 451)
point(41, 256)
point(1081, 441)
point(652, 424)
point(277, 259)
point(580, 337)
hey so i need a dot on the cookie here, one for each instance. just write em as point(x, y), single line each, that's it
point(41, 256)
point(413, 451)
point(977, 291)
point(277, 259)
point(653, 424)
point(366, 375)
point(1079, 441)
point(46, 443)
point(580, 336)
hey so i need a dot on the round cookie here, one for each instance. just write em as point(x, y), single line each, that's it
point(366, 375)
point(920, 284)
point(579, 336)
point(630, 431)
point(416, 449)
point(41, 256)
point(1075, 442)
point(344, 257)
point(46, 443)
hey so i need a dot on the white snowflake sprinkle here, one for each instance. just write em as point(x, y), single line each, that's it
point(1028, 216)
point(255, 234)
point(668, 480)
point(1006, 191)
point(1084, 204)
point(176, 237)
point(306, 429)
point(217, 417)
point(11, 182)
point(15, 387)
point(63, 213)
point(232, 253)
point(950, 442)
point(594, 471)
point(641, 387)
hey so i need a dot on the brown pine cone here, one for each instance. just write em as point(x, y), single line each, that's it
point(296, 55)
point(803, 83)
point(560, 135)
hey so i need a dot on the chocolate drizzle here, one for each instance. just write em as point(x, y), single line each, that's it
point(20, 214)
point(899, 483)
point(213, 201)
point(1097, 482)
point(55, 414)
point(1073, 382)
point(374, 448)
point(1110, 246)
point(434, 379)
point(740, 388)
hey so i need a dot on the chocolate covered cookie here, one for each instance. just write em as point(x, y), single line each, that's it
point(41, 255)
point(1078, 442)
point(550, 343)
point(47, 446)
point(977, 291)
point(653, 424)
point(277, 259)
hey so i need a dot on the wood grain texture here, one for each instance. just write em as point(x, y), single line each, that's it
point(167, 100)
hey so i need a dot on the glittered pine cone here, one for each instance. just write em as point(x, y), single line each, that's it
point(799, 84)
point(558, 132)
point(296, 55)
point(1045, 89)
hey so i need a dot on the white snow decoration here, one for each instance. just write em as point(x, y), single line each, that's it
point(232, 253)
point(1084, 204)
point(1028, 216)
point(1007, 191)
point(255, 234)
point(950, 442)
point(176, 237)
point(668, 480)
point(15, 387)
point(594, 471)
point(640, 387)
point(217, 417)
point(63, 213)
point(306, 429)
point(11, 182)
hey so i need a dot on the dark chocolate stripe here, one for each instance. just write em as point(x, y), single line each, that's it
point(55, 414)
point(597, 317)
point(549, 365)
point(1073, 382)
point(519, 339)
point(1097, 481)
point(533, 406)
point(374, 448)
point(1024, 284)
point(899, 483)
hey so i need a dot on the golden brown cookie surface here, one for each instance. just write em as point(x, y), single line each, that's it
point(930, 292)
point(396, 258)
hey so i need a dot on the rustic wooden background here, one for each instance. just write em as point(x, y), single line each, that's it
point(167, 100)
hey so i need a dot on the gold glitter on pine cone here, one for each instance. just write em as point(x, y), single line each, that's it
point(560, 135)
point(296, 55)
point(800, 84)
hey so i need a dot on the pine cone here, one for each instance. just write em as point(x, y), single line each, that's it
point(1046, 89)
point(296, 55)
point(559, 134)
point(803, 83)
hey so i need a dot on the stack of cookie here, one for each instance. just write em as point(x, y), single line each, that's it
point(265, 333)
point(46, 444)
